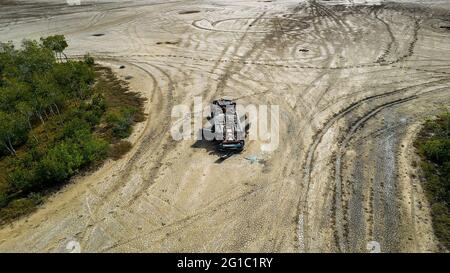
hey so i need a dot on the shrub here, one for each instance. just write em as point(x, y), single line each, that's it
point(18, 207)
point(119, 149)
point(434, 146)
point(89, 60)
point(3, 199)
point(94, 149)
point(121, 121)
point(59, 163)
point(437, 150)
point(74, 127)
point(22, 180)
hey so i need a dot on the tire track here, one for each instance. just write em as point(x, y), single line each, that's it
point(302, 233)
point(389, 208)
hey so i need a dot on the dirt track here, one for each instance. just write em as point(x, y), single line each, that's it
point(353, 82)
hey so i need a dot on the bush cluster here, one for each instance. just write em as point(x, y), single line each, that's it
point(433, 145)
point(52, 113)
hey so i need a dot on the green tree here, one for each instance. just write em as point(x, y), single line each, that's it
point(56, 43)
point(121, 121)
point(438, 150)
point(61, 162)
point(37, 87)
point(89, 60)
point(33, 58)
point(7, 61)
point(12, 131)
point(26, 110)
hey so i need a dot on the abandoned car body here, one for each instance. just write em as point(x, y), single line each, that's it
point(227, 130)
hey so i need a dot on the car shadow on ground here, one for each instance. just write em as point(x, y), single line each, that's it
point(211, 148)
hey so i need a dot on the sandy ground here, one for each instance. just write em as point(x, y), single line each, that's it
point(353, 80)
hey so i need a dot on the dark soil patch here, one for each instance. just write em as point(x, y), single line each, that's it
point(167, 43)
point(188, 12)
